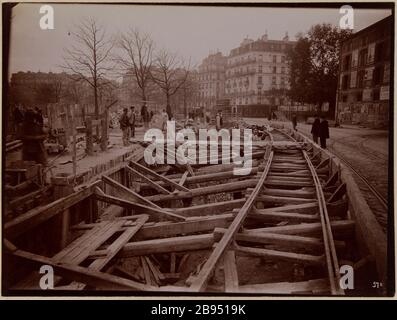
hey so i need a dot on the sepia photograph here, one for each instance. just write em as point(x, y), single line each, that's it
point(222, 150)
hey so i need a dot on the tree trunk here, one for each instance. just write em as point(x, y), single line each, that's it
point(169, 111)
point(143, 96)
point(96, 107)
point(184, 102)
point(104, 125)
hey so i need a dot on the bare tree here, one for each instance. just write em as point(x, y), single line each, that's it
point(169, 73)
point(137, 57)
point(89, 58)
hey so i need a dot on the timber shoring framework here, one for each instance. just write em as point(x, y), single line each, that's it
point(290, 214)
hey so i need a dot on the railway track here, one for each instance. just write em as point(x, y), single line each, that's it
point(382, 200)
point(375, 198)
point(281, 229)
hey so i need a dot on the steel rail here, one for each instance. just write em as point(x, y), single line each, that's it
point(329, 245)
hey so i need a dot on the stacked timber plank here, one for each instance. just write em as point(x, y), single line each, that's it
point(196, 228)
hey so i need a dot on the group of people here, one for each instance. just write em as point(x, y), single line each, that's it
point(320, 129)
point(29, 128)
point(128, 120)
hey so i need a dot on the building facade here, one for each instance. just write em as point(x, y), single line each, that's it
point(211, 81)
point(257, 72)
point(364, 76)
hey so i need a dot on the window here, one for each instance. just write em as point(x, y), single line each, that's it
point(274, 59)
point(344, 98)
point(274, 69)
point(346, 62)
point(362, 57)
point(260, 80)
point(260, 69)
point(360, 78)
point(345, 81)
point(274, 80)
point(359, 96)
point(282, 69)
point(379, 52)
point(378, 76)
point(282, 59)
point(376, 94)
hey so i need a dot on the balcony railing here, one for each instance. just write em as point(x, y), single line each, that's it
point(242, 63)
point(240, 74)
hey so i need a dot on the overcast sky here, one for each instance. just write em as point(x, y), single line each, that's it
point(191, 31)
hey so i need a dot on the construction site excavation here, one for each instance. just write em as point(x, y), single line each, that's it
point(296, 224)
point(198, 151)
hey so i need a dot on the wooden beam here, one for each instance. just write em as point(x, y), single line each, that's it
point(152, 183)
point(210, 208)
point(83, 275)
point(167, 229)
point(183, 178)
point(319, 286)
point(158, 176)
point(297, 193)
point(309, 208)
point(166, 245)
point(230, 269)
point(282, 216)
point(323, 163)
point(282, 240)
point(223, 175)
point(118, 244)
point(152, 230)
point(286, 200)
point(128, 193)
point(197, 192)
point(281, 183)
point(339, 228)
point(338, 194)
point(36, 216)
point(158, 213)
point(202, 278)
point(281, 255)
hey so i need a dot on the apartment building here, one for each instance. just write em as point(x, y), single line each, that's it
point(364, 76)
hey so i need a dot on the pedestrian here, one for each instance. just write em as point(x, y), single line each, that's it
point(207, 118)
point(221, 119)
point(218, 121)
point(316, 129)
point(131, 121)
point(33, 138)
point(323, 132)
point(294, 121)
point(145, 117)
point(125, 127)
point(151, 115)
